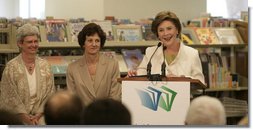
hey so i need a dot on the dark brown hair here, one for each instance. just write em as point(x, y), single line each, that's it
point(89, 30)
point(163, 16)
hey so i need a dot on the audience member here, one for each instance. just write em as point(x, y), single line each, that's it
point(63, 108)
point(244, 120)
point(9, 118)
point(106, 112)
point(205, 110)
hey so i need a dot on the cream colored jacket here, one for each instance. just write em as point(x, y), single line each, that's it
point(187, 63)
point(15, 94)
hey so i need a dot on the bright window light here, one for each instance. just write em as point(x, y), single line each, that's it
point(32, 9)
point(226, 8)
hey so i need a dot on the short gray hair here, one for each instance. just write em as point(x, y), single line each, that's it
point(26, 30)
point(205, 110)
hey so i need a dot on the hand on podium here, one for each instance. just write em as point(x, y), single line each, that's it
point(131, 73)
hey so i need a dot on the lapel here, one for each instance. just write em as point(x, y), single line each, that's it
point(38, 76)
point(100, 72)
point(85, 76)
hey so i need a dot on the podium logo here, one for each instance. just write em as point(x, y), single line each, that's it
point(153, 97)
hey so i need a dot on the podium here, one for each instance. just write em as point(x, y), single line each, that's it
point(158, 102)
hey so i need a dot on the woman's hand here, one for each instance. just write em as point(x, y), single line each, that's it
point(35, 119)
point(25, 118)
point(131, 73)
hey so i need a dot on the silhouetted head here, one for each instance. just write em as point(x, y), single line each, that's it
point(106, 112)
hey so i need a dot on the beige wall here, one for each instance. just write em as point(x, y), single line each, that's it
point(98, 9)
point(88, 9)
point(132, 9)
point(137, 9)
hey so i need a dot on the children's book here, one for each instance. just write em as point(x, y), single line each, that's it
point(107, 28)
point(56, 30)
point(75, 28)
point(206, 36)
point(58, 64)
point(132, 58)
point(148, 35)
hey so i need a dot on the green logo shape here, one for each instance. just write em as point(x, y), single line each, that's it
point(167, 98)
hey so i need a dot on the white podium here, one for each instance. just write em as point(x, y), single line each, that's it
point(158, 102)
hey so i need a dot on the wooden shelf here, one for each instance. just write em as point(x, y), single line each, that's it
point(226, 89)
point(112, 44)
point(9, 50)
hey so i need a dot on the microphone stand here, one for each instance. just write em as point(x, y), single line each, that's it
point(149, 65)
point(163, 67)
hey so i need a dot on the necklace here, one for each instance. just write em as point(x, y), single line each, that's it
point(30, 67)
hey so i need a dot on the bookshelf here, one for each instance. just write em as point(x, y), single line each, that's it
point(117, 46)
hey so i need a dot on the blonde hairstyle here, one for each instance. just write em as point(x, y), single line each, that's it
point(26, 30)
point(205, 110)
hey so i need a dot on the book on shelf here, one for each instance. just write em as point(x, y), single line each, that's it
point(107, 28)
point(56, 30)
point(206, 36)
point(215, 70)
point(199, 22)
point(4, 38)
point(147, 33)
point(132, 58)
point(122, 63)
point(110, 54)
point(128, 32)
point(219, 22)
point(228, 36)
point(188, 36)
point(75, 28)
point(3, 22)
point(204, 58)
point(58, 64)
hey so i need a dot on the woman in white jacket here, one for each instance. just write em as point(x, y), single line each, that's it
point(180, 59)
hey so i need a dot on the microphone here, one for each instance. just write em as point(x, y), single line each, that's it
point(163, 67)
point(149, 65)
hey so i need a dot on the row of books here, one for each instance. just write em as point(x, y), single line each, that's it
point(61, 30)
point(211, 36)
point(234, 107)
point(216, 71)
point(215, 67)
point(57, 31)
point(130, 59)
point(4, 38)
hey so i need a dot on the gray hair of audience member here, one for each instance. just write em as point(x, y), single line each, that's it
point(205, 110)
point(27, 30)
point(63, 108)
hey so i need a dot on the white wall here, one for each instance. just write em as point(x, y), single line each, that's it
point(137, 9)
point(132, 9)
point(88, 9)
point(98, 9)
point(9, 8)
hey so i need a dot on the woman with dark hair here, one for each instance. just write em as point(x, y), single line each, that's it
point(94, 75)
point(180, 60)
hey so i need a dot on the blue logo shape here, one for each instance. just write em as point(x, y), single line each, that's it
point(153, 97)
